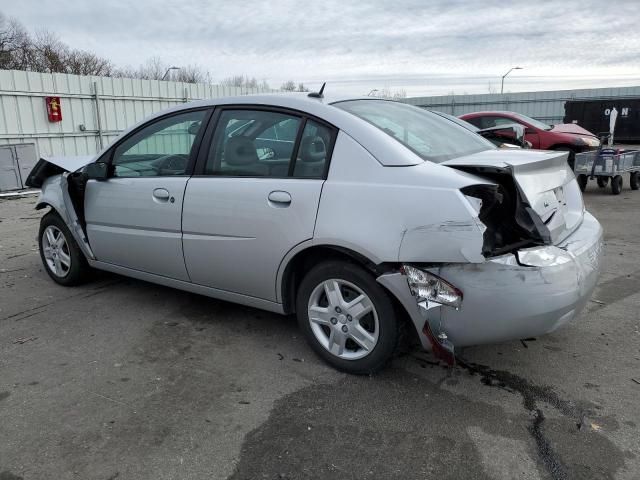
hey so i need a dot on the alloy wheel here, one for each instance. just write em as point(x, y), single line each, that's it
point(56, 251)
point(343, 319)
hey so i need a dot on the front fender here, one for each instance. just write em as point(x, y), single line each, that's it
point(55, 194)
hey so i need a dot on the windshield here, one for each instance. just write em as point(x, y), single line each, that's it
point(429, 135)
point(532, 121)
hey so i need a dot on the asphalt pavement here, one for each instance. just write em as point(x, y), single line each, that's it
point(124, 379)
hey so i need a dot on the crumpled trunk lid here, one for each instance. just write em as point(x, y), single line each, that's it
point(545, 181)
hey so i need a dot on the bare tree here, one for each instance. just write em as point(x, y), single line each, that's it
point(80, 62)
point(233, 81)
point(288, 86)
point(15, 45)
point(302, 88)
point(45, 52)
point(391, 94)
point(190, 74)
point(49, 54)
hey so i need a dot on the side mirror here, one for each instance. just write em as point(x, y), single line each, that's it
point(97, 171)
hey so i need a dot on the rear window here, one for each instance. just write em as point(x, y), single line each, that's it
point(431, 136)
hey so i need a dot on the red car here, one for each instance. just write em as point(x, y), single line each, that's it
point(567, 136)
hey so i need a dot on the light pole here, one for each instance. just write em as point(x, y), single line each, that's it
point(510, 70)
point(372, 91)
point(168, 70)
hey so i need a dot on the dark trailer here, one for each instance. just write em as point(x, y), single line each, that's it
point(594, 116)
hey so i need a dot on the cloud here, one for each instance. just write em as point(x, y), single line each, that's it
point(340, 40)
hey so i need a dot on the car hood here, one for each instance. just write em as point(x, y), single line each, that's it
point(49, 166)
point(70, 164)
point(571, 128)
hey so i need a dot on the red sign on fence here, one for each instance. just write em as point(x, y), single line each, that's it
point(54, 109)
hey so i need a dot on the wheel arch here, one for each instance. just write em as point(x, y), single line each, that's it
point(306, 256)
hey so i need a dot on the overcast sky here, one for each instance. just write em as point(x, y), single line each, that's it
point(425, 47)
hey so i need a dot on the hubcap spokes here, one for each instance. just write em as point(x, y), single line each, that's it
point(56, 251)
point(343, 319)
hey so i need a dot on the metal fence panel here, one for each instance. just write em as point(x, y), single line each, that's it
point(94, 109)
point(16, 161)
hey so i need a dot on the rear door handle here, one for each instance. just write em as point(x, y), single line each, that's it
point(162, 195)
point(278, 198)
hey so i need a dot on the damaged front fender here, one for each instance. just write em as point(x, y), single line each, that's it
point(55, 194)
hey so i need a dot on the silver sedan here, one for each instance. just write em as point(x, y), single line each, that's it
point(363, 217)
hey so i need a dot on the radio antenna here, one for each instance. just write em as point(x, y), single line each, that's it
point(318, 94)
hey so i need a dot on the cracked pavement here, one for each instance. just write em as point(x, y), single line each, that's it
point(125, 379)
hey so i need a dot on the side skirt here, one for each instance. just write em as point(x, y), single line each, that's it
point(191, 287)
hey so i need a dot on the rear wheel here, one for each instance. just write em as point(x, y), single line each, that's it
point(616, 185)
point(347, 317)
point(634, 182)
point(603, 181)
point(582, 181)
point(60, 254)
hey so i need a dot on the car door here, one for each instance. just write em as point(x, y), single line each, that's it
point(244, 210)
point(133, 218)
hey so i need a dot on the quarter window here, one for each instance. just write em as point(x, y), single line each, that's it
point(313, 152)
point(160, 149)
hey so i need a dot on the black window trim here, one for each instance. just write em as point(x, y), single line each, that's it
point(107, 157)
point(207, 140)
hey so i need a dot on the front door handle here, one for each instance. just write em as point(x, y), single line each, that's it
point(278, 198)
point(162, 195)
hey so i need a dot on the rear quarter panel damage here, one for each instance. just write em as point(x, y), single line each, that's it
point(407, 214)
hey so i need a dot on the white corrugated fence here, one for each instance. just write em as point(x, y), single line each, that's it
point(94, 109)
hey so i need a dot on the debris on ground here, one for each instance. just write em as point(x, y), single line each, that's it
point(24, 340)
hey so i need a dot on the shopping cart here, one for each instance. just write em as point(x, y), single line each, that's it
point(608, 164)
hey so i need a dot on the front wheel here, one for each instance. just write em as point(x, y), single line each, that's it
point(60, 254)
point(347, 317)
point(634, 183)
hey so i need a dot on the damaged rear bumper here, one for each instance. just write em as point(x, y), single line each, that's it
point(514, 296)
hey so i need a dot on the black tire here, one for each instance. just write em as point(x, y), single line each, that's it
point(634, 183)
point(582, 182)
point(616, 185)
point(571, 159)
point(78, 269)
point(603, 181)
point(388, 324)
